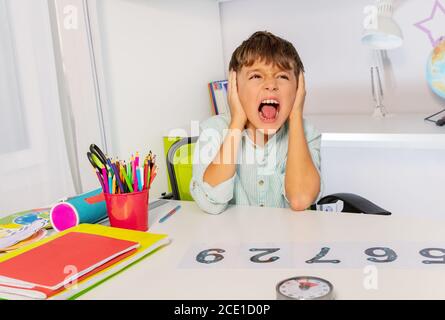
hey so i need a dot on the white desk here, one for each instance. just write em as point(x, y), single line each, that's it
point(396, 162)
point(161, 276)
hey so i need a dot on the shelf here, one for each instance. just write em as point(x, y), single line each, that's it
point(395, 131)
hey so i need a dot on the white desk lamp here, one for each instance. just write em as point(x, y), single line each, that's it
point(381, 32)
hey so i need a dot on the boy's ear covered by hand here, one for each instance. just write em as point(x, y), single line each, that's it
point(239, 117)
point(298, 107)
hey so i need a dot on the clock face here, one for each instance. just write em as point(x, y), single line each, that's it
point(305, 288)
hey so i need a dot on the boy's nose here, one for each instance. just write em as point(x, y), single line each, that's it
point(271, 85)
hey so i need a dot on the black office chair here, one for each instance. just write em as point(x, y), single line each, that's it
point(353, 203)
point(180, 188)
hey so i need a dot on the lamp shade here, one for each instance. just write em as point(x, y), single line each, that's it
point(386, 37)
point(386, 33)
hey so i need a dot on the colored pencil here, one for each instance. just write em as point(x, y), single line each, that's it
point(105, 177)
point(127, 180)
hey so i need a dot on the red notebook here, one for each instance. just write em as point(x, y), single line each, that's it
point(37, 292)
point(62, 260)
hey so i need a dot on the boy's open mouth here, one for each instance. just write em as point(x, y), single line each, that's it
point(269, 110)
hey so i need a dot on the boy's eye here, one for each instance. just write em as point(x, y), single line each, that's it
point(284, 76)
point(255, 76)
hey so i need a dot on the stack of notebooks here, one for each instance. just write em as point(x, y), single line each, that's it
point(68, 264)
point(218, 97)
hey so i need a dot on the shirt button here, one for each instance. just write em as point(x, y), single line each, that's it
point(261, 182)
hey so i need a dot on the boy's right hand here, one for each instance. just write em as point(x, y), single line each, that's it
point(239, 117)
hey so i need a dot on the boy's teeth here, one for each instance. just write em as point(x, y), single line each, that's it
point(270, 102)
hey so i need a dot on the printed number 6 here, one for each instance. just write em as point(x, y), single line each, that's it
point(215, 257)
point(390, 254)
point(427, 254)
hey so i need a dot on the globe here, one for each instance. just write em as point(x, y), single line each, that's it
point(435, 71)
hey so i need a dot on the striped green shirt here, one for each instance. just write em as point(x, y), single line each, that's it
point(260, 171)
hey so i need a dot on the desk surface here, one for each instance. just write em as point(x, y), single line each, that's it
point(161, 276)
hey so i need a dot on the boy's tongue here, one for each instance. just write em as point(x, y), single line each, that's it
point(269, 112)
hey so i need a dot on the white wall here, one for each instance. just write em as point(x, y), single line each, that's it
point(327, 35)
point(159, 57)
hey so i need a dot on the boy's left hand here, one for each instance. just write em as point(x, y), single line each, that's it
point(297, 109)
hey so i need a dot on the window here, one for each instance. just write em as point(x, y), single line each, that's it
point(12, 122)
point(34, 166)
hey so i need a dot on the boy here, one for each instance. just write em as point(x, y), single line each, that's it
point(265, 154)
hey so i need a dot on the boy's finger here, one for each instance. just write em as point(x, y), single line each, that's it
point(231, 81)
point(234, 85)
point(234, 79)
point(302, 81)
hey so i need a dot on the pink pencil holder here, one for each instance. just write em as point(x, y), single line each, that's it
point(129, 210)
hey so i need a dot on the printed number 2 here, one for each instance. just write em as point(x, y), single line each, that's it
point(214, 257)
point(323, 252)
point(256, 258)
point(427, 254)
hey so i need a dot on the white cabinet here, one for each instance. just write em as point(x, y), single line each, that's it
point(397, 162)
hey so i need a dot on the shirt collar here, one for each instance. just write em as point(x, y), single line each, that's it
point(278, 137)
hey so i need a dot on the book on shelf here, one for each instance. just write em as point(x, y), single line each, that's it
point(218, 97)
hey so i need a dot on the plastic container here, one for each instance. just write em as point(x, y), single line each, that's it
point(129, 210)
point(85, 208)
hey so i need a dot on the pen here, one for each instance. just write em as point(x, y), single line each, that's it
point(168, 215)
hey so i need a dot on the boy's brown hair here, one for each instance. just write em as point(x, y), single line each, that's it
point(266, 47)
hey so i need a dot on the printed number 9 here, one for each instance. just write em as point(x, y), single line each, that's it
point(215, 257)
